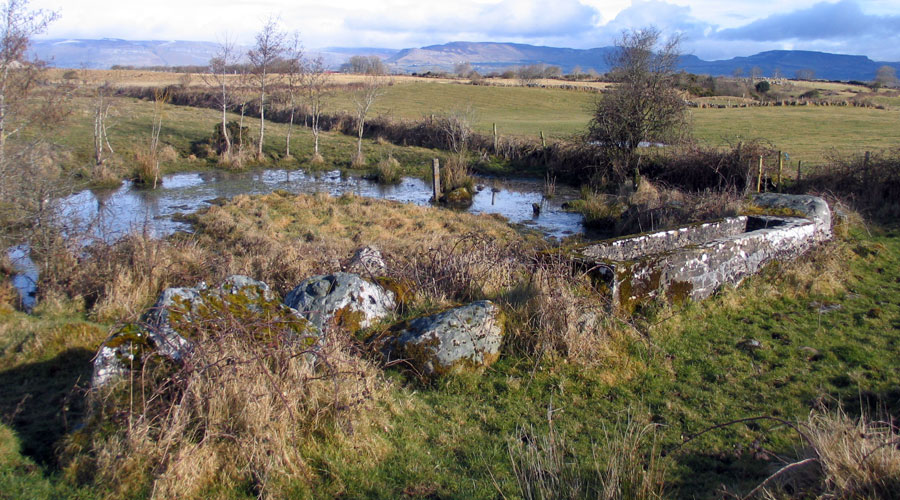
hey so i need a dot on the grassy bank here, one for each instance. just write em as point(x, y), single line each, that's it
point(826, 327)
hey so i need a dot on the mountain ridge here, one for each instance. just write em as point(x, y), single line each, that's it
point(483, 56)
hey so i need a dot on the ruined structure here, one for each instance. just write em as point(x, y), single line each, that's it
point(694, 261)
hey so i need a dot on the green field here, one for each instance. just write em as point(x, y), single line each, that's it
point(808, 133)
point(516, 110)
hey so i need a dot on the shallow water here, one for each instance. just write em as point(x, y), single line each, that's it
point(117, 212)
point(26, 276)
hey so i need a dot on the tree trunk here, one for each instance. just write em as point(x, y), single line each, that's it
point(287, 149)
point(262, 123)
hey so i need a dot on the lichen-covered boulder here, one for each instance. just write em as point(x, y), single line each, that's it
point(464, 338)
point(341, 299)
point(367, 261)
point(458, 198)
point(166, 328)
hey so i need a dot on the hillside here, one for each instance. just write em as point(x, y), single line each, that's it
point(484, 56)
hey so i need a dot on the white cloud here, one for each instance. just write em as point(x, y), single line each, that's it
point(409, 23)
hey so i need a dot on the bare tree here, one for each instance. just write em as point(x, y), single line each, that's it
point(267, 50)
point(755, 73)
point(101, 138)
point(529, 75)
point(17, 75)
point(362, 100)
point(886, 76)
point(463, 69)
point(29, 177)
point(294, 72)
point(218, 77)
point(315, 80)
point(805, 74)
point(644, 105)
point(364, 65)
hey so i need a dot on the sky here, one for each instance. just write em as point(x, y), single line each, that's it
point(710, 29)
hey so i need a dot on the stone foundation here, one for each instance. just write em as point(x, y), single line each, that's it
point(692, 262)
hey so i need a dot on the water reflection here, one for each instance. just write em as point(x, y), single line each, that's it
point(127, 208)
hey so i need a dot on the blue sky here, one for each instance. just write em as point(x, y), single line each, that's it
point(710, 29)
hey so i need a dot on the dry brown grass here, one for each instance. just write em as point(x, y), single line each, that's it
point(546, 468)
point(653, 207)
point(859, 458)
point(243, 412)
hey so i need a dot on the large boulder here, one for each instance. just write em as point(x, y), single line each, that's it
point(164, 328)
point(460, 339)
point(341, 299)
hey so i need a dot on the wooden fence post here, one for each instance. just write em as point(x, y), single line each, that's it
point(495, 139)
point(798, 170)
point(759, 171)
point(543, 142)
point(436, 181)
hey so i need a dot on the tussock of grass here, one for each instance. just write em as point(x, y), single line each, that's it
point(241, 413)
point(859, 458)
point(546, 468)
point(387, 171)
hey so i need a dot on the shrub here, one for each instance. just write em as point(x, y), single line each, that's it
point(388, 171)
point(811, 94)
point(763, 87)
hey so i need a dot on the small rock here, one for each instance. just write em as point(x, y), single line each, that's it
point(459, 339)
point(811, 353)
point(343, 299)
point(750, 344)
point(825, 307)
point(367, 261)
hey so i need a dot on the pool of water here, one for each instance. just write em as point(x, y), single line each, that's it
point(114, 213)
point(25, 279)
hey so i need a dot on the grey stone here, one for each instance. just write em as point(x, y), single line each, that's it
point(344, 298)
point(466, 337)
point(813, 208)
point(157, 333)
point(367, 261)
point(750, 344)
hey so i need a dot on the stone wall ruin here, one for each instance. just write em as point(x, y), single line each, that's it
point(692, 262)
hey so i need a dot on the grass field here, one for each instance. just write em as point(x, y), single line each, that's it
point(809, 134)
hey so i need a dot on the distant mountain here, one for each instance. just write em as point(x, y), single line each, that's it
point(108, 52)
point(788, 62)
point(488, 56)
point(493, 56)
point(484, 56)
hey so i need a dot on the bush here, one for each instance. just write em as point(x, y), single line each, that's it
point(811, 94)
point(388, 171)
point(763, 87)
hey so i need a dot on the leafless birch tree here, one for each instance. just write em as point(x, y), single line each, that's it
point(218, 77)
point(268, 49)
point(315, 80)
point(363, 99)
point(293, 72)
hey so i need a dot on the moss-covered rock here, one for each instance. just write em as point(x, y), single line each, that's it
point(460, 197)
point(180, 315)
point(466, 338)
point(341, 299)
